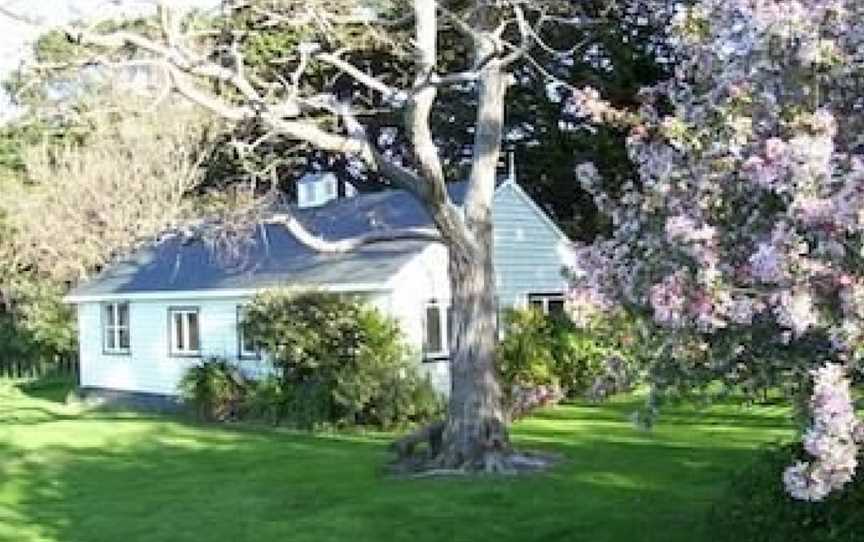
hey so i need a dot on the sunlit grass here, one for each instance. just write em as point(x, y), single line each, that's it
point(71, 475)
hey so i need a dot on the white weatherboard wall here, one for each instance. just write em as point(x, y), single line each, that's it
point(530, 252)
point(149, 367)
point(422, 280)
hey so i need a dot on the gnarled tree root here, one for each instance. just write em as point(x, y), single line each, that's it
point(495, 456)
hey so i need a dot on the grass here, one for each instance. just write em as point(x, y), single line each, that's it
point(74, 476)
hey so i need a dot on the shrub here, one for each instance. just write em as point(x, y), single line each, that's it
point(214, 388)
point(338, 361)
point(579, 358)
point(543, 357)
point(378, 385)
point(264, 401)
point(526, 355)
point(756, 508)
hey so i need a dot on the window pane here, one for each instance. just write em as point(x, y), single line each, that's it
point(124, 338)
point(110, 343)
point(179, 343)
point(432, 344)
point(123, 314)
point(194, 344)
point(536, 304)
point(248, 345)
point(556, 307)
point(109, 315)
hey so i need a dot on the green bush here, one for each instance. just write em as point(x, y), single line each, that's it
point(378, 385)
point(338, 361)
point(755, 507)
point(264, 401)
point(579, 358)
point(526, 356)
point(215, 389)
point(598, 358)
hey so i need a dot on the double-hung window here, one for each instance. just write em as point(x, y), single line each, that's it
point(248, 348)
point(185, 333)
point(115, 332)
point(437, 327)
point(551, 304)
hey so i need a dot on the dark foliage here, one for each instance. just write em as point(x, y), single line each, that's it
point(755, 507)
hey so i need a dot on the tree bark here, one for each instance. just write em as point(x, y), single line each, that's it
point(476, 435)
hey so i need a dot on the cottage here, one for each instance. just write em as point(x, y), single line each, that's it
point(144, 321)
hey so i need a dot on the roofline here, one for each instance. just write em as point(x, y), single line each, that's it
point(536, 208)
point(221, 293)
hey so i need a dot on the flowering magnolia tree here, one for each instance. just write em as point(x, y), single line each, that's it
point(743, 231)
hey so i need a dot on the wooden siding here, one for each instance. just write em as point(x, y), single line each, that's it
point(530, 252)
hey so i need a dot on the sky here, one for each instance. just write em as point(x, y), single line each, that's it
point(16, 35)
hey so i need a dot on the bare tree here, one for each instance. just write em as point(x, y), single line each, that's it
point(497, 33)
point(80, 205)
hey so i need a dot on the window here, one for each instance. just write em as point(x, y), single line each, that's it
point(185, 331)
point(437, 329)
point(116, 335)
point(248, 348)
point(551, 304)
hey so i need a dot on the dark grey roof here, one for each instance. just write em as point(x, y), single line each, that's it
point(273, 257)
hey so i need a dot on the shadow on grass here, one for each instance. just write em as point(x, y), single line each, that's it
point(55, 389)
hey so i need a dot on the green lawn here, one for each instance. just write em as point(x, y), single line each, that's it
point(90, 477)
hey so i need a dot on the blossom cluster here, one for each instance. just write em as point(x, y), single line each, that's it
point(833, 439)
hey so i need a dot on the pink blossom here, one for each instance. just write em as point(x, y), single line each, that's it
point(767, 264)
point(832, 439)
point(667, 298)
point(794, 310)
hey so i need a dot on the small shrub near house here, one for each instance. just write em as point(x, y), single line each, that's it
point(215, 389)
point(337, 362)
point(756, 507)
point(543, 359)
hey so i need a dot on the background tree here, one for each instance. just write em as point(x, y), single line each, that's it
point(66, 212)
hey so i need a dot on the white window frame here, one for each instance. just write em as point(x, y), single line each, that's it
point(444, 329)
point(241, 342)
point(544, 298)
point(172, 331)
point(112, 328)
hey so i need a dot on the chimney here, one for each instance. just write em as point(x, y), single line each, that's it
point(317, 189)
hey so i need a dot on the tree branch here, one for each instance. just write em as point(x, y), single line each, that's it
point(319, 244)
point(390, 94)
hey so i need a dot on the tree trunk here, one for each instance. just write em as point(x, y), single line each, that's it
point(476, 435)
